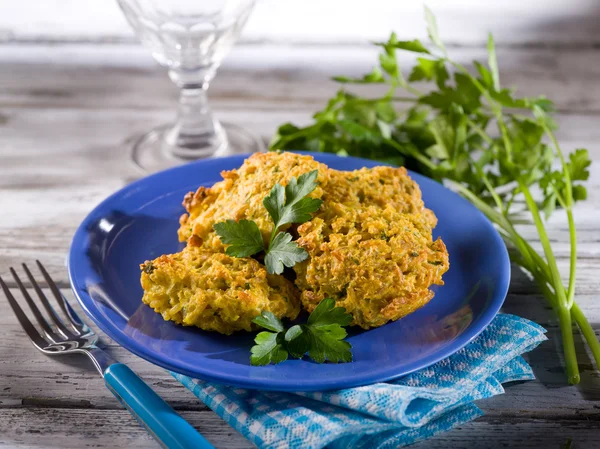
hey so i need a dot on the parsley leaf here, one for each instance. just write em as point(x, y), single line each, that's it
point(328, 344)
point(415, 46)
point(326, 313)
point(269, 321)
point(484, 73)
point(432, 30)
point(424, 70)
point(283, 252)
point(291, 205)
point(374, 77)
point(322, 337)
point(243, 237)
point(493, 63)
point(274, 203)
point(269, 348)
point(579, 162)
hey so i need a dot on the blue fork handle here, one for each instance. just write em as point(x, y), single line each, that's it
point(161, 421)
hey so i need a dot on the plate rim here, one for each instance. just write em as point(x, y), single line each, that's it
point(320, 384)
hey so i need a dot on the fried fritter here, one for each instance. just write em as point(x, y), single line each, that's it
point(379, 186)
point(370, 247)
point(240, 196)
point(215, 292)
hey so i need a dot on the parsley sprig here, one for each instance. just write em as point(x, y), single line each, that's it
point(285, 205)
point(322, 337)
point(493, 147)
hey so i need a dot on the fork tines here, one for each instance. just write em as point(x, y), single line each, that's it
point(72, 330)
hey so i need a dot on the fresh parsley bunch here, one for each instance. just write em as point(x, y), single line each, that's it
point(322, 337)
point(493, 147)
point(285, 206)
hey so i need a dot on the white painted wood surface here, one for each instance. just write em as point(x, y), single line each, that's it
point(462, 22)
point(66, 114)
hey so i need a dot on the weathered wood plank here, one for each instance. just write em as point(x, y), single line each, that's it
point(77, 428)
point(100, 77)
point(23, 428)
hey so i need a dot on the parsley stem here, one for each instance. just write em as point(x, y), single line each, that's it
point(555, 275)
point(561, 201)
point(412, 90)
point(539, 271)
point(510, 201)
point(404, 99)
point(573, 258)
point(497, 110)
point(379, 100)
point(567, 175)
point(540, 274)
point(504, 133)
point(562, 306)
point(282, 141)
point(568, 206)
point(543, 274)
point(479, 131)
point(486, 181)
point(566, 330)
point(587, 331)
point(418, 156)
point(531, 257)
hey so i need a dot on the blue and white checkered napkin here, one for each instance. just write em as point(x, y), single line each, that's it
point(382, 415)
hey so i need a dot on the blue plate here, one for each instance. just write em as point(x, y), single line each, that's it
point(140, 222)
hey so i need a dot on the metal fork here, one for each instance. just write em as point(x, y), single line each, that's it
point(73, 336)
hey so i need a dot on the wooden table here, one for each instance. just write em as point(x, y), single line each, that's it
point(66, 113)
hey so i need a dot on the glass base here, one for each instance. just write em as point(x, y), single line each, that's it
point(152, 152)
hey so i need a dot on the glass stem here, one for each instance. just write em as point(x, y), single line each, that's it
point(196, 132)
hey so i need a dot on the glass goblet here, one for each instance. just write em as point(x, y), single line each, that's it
point(190, 38)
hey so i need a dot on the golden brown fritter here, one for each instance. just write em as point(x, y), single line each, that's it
point(215, 292)
point(370, 247)
point(379, 186)
point(240, 196)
